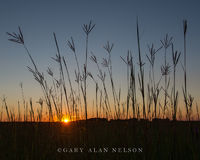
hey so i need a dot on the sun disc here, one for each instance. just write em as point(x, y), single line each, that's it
point(66, 120)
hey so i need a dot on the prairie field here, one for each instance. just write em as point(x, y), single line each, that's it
point(115, 139)
point(88, 110)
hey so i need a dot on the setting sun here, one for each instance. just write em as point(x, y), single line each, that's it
point(65, 120)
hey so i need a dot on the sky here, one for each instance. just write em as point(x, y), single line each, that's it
point(115, 22)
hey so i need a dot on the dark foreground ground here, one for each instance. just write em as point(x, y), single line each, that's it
point(100, 140)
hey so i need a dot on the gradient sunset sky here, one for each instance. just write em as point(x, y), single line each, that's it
point(115, 21)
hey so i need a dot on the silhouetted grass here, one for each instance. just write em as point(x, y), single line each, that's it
point(115, 125)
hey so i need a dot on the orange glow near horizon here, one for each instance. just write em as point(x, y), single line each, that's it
point(65, 120)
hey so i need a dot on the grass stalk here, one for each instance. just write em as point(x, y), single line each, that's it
point(141, 74)
point(87, 28)
point(175, 59)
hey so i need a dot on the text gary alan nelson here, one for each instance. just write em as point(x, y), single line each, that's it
point(100, 150)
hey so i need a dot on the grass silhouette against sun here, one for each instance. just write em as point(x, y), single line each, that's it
point(139, 120)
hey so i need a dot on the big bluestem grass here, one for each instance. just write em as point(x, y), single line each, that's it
point(23, 100)
point(60, 95)
point(32, 115)
point(131, 84)
point(165, 69)
point(87, 28)
point(175, 59)
point(141, 73)
point(58, 59)
point(71, 45)
point(39, 77)
point(127, 62)
point(190, 104)
point(185, 94)
point(108, 64)
point(19, 112)
point(96, 94)
point(153, 87)
point(102, 77)
point(71, 88)
point(39, 111)
point(149, 101)
point(6, 108)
